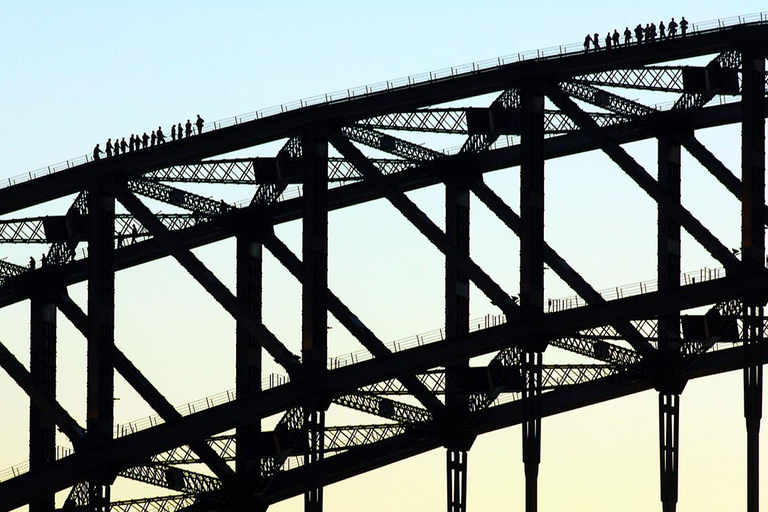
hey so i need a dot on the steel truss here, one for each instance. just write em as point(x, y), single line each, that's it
point(428, 396)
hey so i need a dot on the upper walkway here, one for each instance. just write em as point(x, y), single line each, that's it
point(346, 95)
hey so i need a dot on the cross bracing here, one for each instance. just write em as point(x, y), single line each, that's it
point(429, 395)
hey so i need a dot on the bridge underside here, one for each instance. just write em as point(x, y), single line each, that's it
point(433, 393)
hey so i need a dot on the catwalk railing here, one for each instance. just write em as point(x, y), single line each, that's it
point(553, 52)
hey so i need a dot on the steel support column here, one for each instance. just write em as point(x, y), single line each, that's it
point(101, 332)
point(532, 277)
point(42, 367)
point(456, 324)
point(314, 344)
point(248, 352)
point(668, 253)
point(753, 252)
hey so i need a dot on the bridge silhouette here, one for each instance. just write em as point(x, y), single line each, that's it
point(427, 391)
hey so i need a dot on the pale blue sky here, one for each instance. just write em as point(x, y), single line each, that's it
point(76, 73)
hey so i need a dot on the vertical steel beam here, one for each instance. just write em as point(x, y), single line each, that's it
point(532, 277)
point(42, 368)
point(456, 324)
point(101, 331)
point(753, 251)
point(668, 258)
point(248, 352)
point(314, 344)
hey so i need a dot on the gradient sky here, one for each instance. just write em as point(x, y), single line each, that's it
point(76, 73)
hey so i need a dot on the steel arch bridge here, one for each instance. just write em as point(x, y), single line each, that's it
point(556, 103)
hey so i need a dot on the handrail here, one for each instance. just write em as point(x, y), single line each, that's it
point(552, 52)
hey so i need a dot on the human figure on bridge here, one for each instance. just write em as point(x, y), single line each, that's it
point(109, 148)
point(615, 38)
point(627, 36)
point(154, 138)
point(639, 33)
point(199, 124)
point(43, 260)
point(31, 263)
point(160, 136)
point(96, 152)
point(683, 26)
point(596, 41)
point(133, 234)
point(672, 28)
point(189, 128)
point(179, 131)
point(173, 132)
point(587, 42)
point(144, 140)
point(123, 145)
point(662, 35)
point(130, 143)
point(608, 41)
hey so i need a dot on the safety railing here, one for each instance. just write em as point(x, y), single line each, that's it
point(552, 52)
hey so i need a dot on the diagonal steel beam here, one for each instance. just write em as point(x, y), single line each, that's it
point(43, 400)
point(428, 228)
point(353, 324)
point(717, 168)
point(635, 171)
point(143, 386)
point(209, 281)
point(558, 264)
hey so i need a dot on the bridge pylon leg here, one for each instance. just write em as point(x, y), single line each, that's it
point(753, 402)
point(532, 370)
point(669, 446)
point(456, 472)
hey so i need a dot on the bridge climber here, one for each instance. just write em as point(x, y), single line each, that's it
point(440, 391)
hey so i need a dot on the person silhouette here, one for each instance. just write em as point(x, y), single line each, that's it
point(153, 138)
point(672, 28)
point(639, 33)
point(615, 38)
point(160, 136)
point(117, 146)
point(608, 41)
point(144, 140)
point(179, 131)
point(123, 145)
point(130, 143)
point(199, 124)
point(189, 128)
point(683, 26)
point(108, 147)
point(662, 35)
point(97, 152)
point(627, 36)
point(587, 42)
point(31, 263)
point(596, 41)
point(173, 132)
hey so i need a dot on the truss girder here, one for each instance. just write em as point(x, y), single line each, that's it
point(385, 408)
point(635, 171)
point(179, 198)
point(651, 78)
point(9, 270)
point(233, 171)
point(172, 503)
point(433, 233)
point(435, 120)
point(393, 145)
point(176, 479)
point(603, 99)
